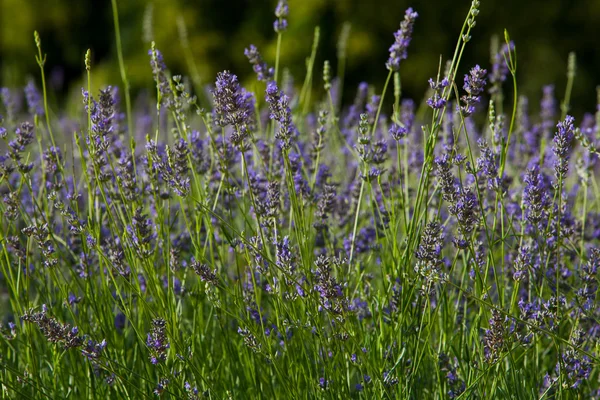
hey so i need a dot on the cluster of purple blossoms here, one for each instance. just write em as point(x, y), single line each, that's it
point(250, 340)
point(547, 110)
point(589, 276)
point(157, 341)
point(233, 106)
point(34, 99)
point(102, 113)
point(171, 165)
point(536, 198)
point(447, 181)
point(437, 101)
point(25, 134)
point(398, 132)
point(487, 165)
point(263, 71)
point(496, 337)
point(41, 234)
point(92, 350)
point(466, 210)
point(281, 12)
point(204, 272)
point(11, 100)
point(330, 291)
point(474, 85)
point(562, 144)
point(280, 111)
point(456, 385)
point(398, 50)
point(428, 255)
point(159, 71)
point(54, 331)
point(141, 233)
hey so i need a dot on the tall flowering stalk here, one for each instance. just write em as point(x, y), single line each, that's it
point(399, 49)
point(474, 85)
point(233, 106)
point(562, 145)
point(280, 111)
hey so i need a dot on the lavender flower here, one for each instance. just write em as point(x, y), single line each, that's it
point(54, 331)
point(141, 233)
point(92, 350)
point(281, 12)
point(466, 211)
point(398, 50)
point(562, 144)
point(428, 255)
point(204, 272)
point(495, 337)
point(280, 112)
point(263, 71)
point(398, 132)
point(574, 366)
point(159, 72)
point(487, 165)
point(34, 100)
point(547, 109)
point(535, 195)
point(437, 101)
point(233, 106)
point(457, 386)
point(323, 383)
point(586, 295)
point(327, 286)
point(12, 101)
point(157, 341)
point(474, 84)
point(250, 340)
point(102, 114)
point(161, 386)
point(446, 180)
point(177, 171)
point(25, 136)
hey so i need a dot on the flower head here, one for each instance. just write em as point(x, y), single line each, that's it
point(437, 101)
point(281, 12)
point(233, 105)
point(398, 50)
point(263, 71)
point(34, 100)
point(474, 84)
point(280, 112)
point(562, 144)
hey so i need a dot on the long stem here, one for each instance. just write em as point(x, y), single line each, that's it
point(41, 60)
point(277, 55)
point(362, 185)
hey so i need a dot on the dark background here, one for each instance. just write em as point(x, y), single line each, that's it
point(544, 31)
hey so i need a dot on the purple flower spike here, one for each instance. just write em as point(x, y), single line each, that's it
point(474, 84)
point(281, 12)
point(398, 50)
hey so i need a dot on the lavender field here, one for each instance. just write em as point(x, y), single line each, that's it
point(273, 241)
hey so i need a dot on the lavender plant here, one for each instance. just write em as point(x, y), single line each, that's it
point(276, 243)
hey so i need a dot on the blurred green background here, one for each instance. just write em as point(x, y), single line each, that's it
point(219, 30)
